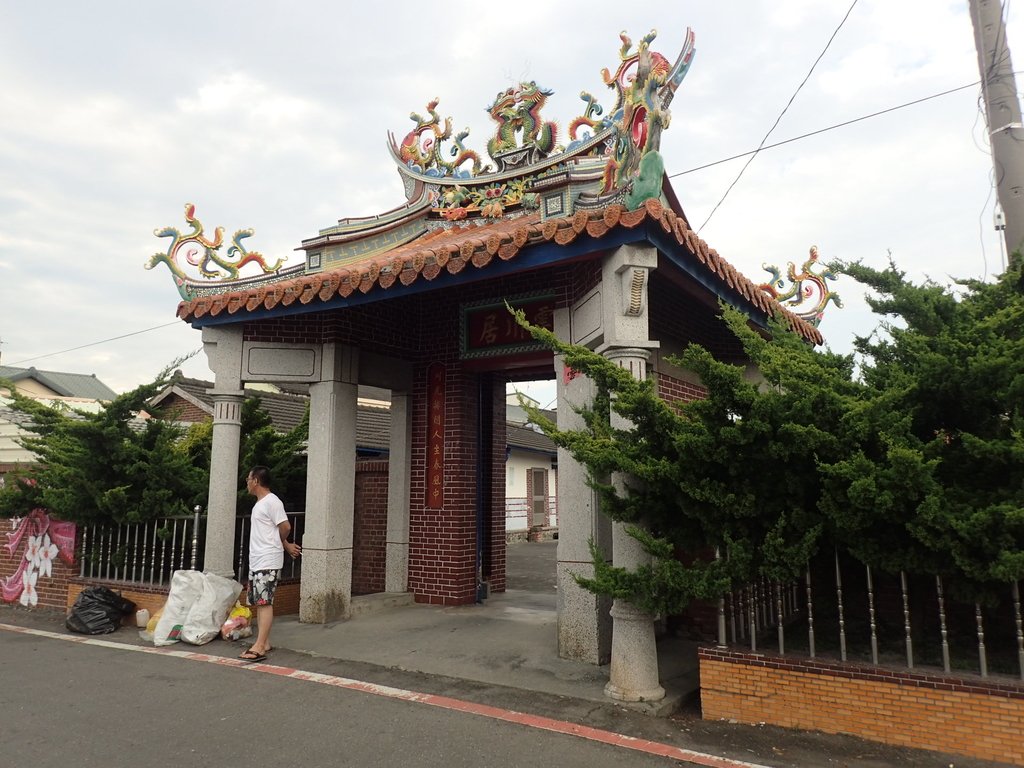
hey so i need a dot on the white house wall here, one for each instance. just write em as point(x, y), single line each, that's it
point(517, 505)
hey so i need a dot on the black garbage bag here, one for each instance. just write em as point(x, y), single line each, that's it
point(98, 611)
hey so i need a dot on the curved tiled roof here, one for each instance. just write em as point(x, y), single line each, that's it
point(476, 247)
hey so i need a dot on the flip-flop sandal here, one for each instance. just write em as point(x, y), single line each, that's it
point(249, 645)
point(252, 656)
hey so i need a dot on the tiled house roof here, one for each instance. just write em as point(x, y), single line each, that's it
point(477, 247)
point(83, 385)
point(285, 411)
point(528, 439)
point(187, 399)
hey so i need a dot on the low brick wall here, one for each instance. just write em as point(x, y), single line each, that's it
point(286, 598)
point(960, 715)
point(51, 590)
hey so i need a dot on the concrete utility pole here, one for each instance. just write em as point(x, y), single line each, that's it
point(1002, 109)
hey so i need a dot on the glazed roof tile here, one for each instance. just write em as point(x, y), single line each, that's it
point(478, 246)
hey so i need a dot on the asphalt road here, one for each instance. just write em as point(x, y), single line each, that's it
point(72, 705)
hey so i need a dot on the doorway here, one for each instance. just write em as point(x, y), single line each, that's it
point(531, 475)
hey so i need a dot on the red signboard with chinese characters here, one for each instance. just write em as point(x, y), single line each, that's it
point(489, 329)
point(435, 435)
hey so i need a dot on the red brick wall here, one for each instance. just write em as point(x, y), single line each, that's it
point(180, 409)
point(442, 542)
point(672, 389)
point(965, 716)
point(494, 561)
point(52, 590)
point(369, 534)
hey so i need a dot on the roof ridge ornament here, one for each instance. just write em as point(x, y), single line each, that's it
point(425, 153)
point(202, 253)
point(646, 84)
point(525, 144)
point(817, 294)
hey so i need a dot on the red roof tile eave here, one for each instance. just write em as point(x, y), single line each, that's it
point(470, 247)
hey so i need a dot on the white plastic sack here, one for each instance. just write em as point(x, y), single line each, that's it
point(211, 609)
point(186, 587)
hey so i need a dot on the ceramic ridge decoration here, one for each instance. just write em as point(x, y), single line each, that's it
point(809, 294)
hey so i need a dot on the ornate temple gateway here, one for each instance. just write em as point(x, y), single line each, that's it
point(577, 225)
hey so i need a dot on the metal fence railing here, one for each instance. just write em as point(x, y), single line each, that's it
point(144, 553)
point(517, 513)
point(846, 610)
point(148, 553)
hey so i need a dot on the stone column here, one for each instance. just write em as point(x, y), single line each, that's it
point(396, 568)
point(634, 666)
point(326, 590)
point(584, 625)
point(625, 277)
point(223, 348)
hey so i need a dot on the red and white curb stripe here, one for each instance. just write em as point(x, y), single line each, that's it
point(444, 702)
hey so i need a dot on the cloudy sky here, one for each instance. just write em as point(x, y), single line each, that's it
point(275, 116)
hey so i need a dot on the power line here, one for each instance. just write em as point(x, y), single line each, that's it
point(822, 130)
point(95, 343)
point(779, 118)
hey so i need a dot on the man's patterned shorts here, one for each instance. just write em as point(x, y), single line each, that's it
point(261, 587)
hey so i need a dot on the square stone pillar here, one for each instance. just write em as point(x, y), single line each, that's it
point(326, 591)
point(223, 348)
point(396, 567)
point(584, 624)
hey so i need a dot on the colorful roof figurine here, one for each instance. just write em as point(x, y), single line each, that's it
point(809, 294)
point(466, 210)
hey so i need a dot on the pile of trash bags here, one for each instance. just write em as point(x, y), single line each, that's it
point(200, 606)
point(98, 611)
point(197, 607)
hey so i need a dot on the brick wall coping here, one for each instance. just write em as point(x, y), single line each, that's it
point(156, 589)
point(1008, 689)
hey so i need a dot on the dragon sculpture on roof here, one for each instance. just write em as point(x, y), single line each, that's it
point(526, 144)
point(203, 254)
point(809, 294)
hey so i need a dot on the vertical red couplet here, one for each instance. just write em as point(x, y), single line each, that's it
point(435, 435)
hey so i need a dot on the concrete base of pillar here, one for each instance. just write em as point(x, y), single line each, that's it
point(396, 567)
point(584, 626)
point(667, 706)
point(633, 695)
point(326, 591)
point(634, 666)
